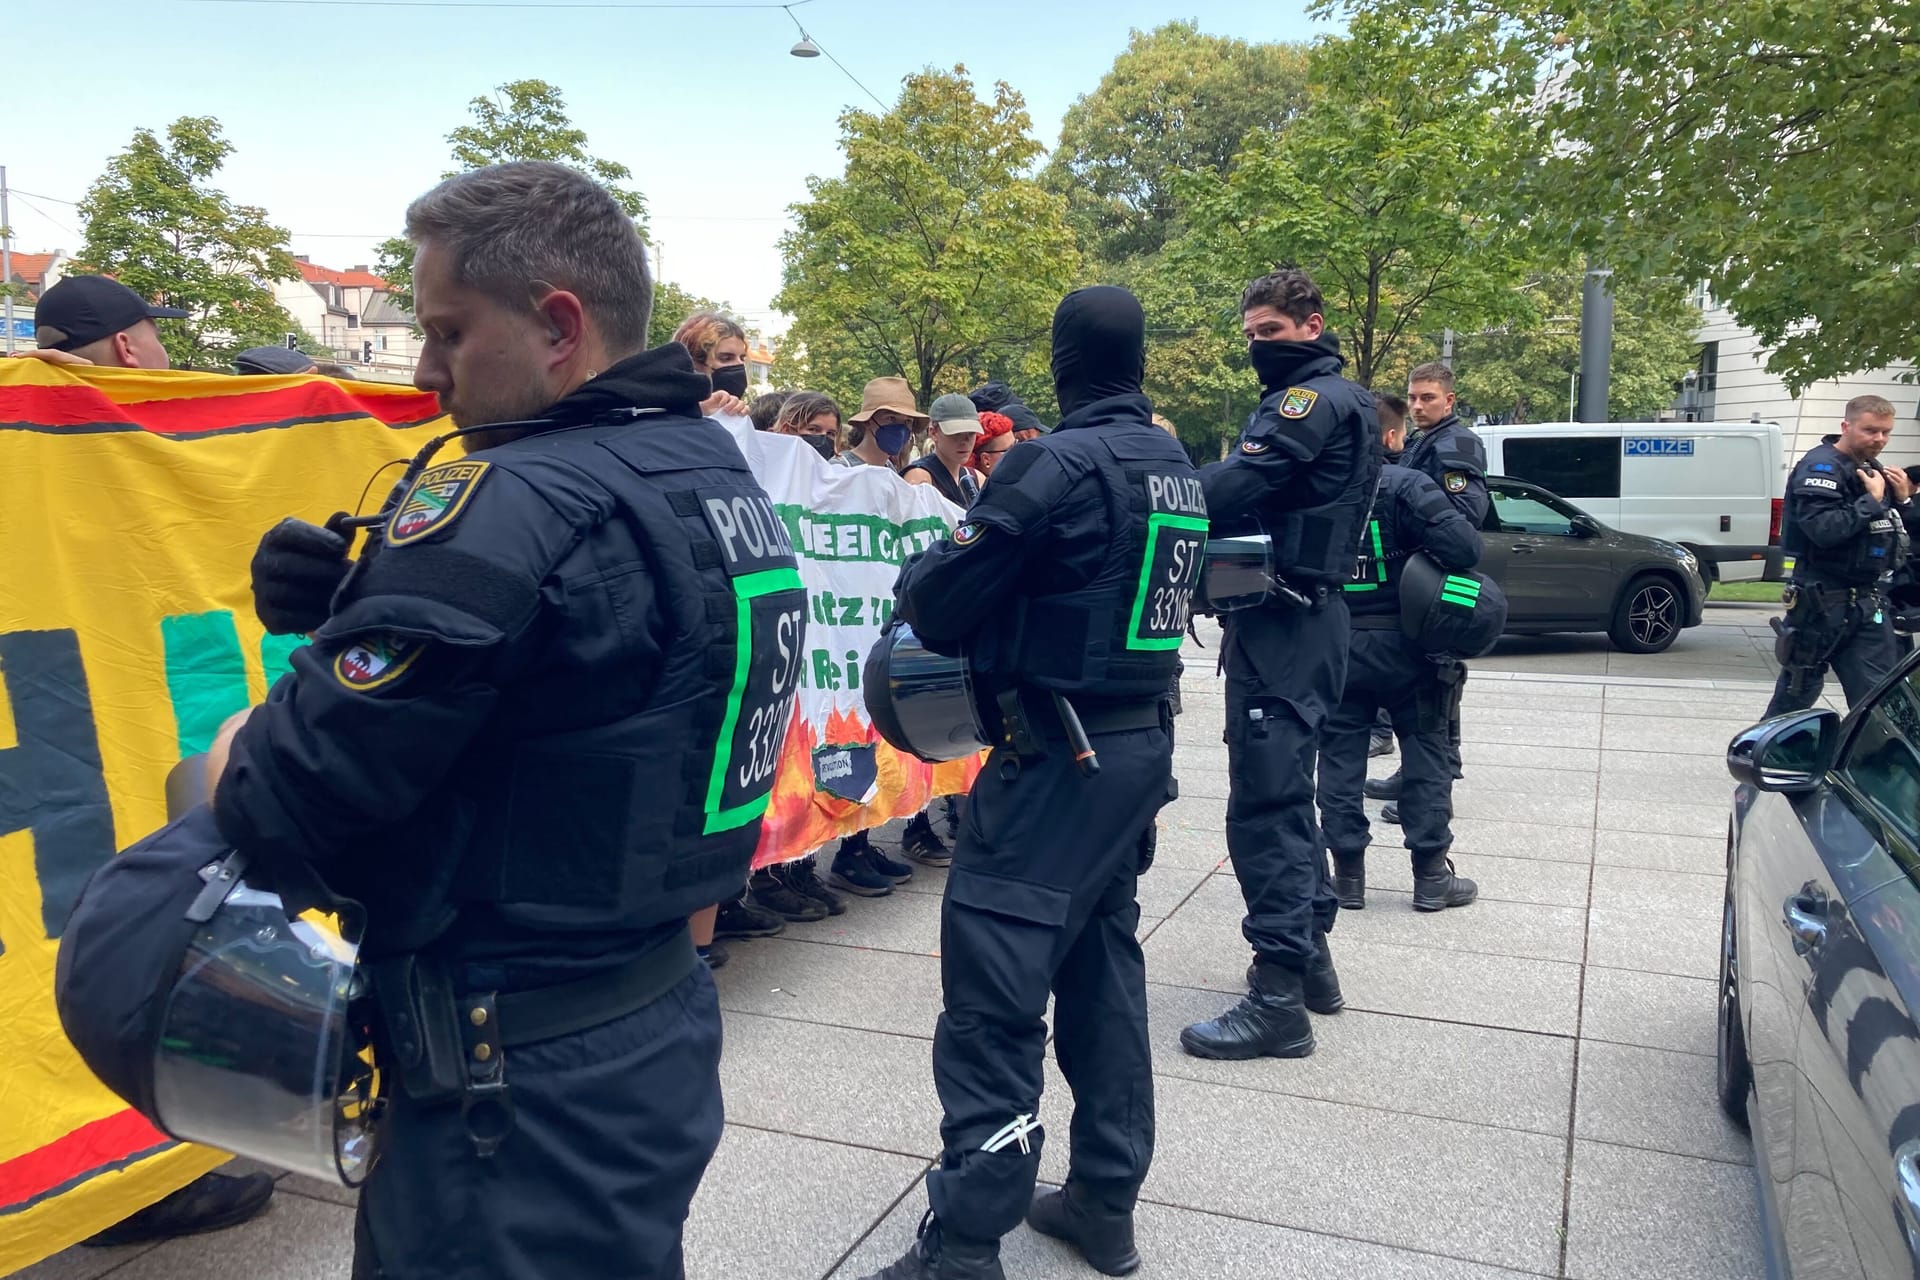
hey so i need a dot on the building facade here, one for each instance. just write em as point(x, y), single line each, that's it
point(354, 315)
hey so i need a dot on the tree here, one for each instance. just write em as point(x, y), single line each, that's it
point(1400, 188)
point(522, 120)
point(1521, 372)
point(154, 223)
point(934, 252)
point(1766, 147)
point(1176, 99)
point(671, 305)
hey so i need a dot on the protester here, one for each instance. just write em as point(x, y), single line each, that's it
point(884, 427)
point(1041, 896)
point(1304, 470)
point(956, 429)
point(272, 360)
point(489, 725)
point(766, 409)
point(719, 350)
point(94, 320)
point(813, 417)
point(999, 397)
point(996, 437)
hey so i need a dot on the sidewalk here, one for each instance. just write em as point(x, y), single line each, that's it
point(1522, 1087)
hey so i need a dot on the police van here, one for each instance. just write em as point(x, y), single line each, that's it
point(1715, 488)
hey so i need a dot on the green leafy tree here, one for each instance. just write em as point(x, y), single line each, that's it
point(671, 305)
point(1400, 188)
point(1521, 372)
point(1766, 147)
point(520, 120)
point(1176, 99)
point(934, 253)
point(155, 223)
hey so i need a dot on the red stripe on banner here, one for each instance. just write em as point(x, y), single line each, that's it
point(76, 1156)
point(81, 406)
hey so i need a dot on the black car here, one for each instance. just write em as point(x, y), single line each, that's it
point(1563, 570)
point(1820, 980)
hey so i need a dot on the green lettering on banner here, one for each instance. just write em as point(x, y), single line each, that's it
point(850, 536)
point(206, 675)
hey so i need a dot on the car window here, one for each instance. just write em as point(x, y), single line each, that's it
point(1514, 512)
point(1577, 466)
point(1883, 759)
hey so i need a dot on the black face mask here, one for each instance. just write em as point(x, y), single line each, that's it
point(1275, 359)
point(731, 379)
point(1099, 346)
point(822, 445)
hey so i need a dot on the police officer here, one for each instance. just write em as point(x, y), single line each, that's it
point(1846, 524)
point(534, 732)
point(1387, 671)
point(1068, 588)
point(1447, 450)
point(1393, 439)
point(1304, 469)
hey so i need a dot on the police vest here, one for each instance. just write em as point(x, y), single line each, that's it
point(1861, 560)
point(1316, 543)
point(1119, 635)
point(615, 798)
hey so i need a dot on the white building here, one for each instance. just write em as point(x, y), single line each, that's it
point(1733, 385)
point(354, 316)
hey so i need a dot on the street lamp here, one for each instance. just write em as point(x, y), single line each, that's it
point(806, 48)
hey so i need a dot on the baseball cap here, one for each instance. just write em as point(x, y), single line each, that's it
point(955, 415)
point(83, 309)
point(272, 360)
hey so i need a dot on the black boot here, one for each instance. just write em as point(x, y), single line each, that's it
point(1387, 788)
point(1380, 743)
point(1435, 887)
point(1320, 986)
point(1103, 1237)
point(939, 1256)
point(1350, 880)
point(1390, 812)
point(1270, 1021)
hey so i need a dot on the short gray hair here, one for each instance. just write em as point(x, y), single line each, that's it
point(510, 225)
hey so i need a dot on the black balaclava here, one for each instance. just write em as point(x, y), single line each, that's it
point(1099, 346)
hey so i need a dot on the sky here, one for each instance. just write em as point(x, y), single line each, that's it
point(339, 112)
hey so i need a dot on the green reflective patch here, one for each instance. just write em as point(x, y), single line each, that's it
point(746, 589)
point(1465, 602)
point(1172, 603)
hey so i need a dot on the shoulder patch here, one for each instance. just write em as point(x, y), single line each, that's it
point(1823, 466)
point(1254, 446)
point(374, 661)
point(1455, 481)
point(1819, 482)
point(968, 534)
point(435, 501)
point(1298, 402)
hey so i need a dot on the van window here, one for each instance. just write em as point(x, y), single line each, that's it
point(1571, 466)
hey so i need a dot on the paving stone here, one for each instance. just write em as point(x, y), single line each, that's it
point(1653, 941)
point(80, 1263)
point(296, 1238)
point(774, 1206)
point(1485, 757)
point(1479, 1075)
point(1657, 1010)
point(1628, 888)
point(1542, 808)
point(1571, 729)
point(833, 1083)
point(1676, 734)
point(901, 921)
point(1525, 930)
point(1556, 884)
point(1522, 840)
point(1425, 982)
point(1356, 1172)
point(1200, 846)
point(1655, 1099)
point(1698, 855)
point(1640, 1214)
point(887, 991)
point(1665, 818)
point(1509, 779)
point(1662, 763)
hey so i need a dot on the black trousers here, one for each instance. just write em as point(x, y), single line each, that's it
point(613, 1128)
point(1385, 675)
point(1041, 897)
point(1286, 670)
point(1853, 638)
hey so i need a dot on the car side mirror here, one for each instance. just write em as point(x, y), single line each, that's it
point(1586, 527)
point(1788, 753)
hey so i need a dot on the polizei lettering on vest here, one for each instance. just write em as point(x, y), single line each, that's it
point(750, 533)
point(1181, 495)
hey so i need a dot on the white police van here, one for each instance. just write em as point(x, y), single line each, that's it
point(1715, 488)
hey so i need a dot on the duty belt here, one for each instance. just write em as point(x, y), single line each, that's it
point(1375, 622)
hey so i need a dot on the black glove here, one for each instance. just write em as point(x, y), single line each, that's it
point(296, 569)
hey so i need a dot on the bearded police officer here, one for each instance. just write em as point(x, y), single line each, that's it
point(1448, 451)
point(1847, 523)
point(1304, 469)
point(1388, 671)
point(535, 731)
point(1068, 588)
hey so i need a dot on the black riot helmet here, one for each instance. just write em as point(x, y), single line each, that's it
point(1461, 614)
point(919, 701)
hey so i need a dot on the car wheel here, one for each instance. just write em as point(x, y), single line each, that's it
point(1649, 615)
point(1733, 1079)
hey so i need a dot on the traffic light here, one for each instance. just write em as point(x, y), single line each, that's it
point(293, 342)
point(366, 352)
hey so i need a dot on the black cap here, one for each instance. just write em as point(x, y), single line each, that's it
point(272, 360)
point(83, 309)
